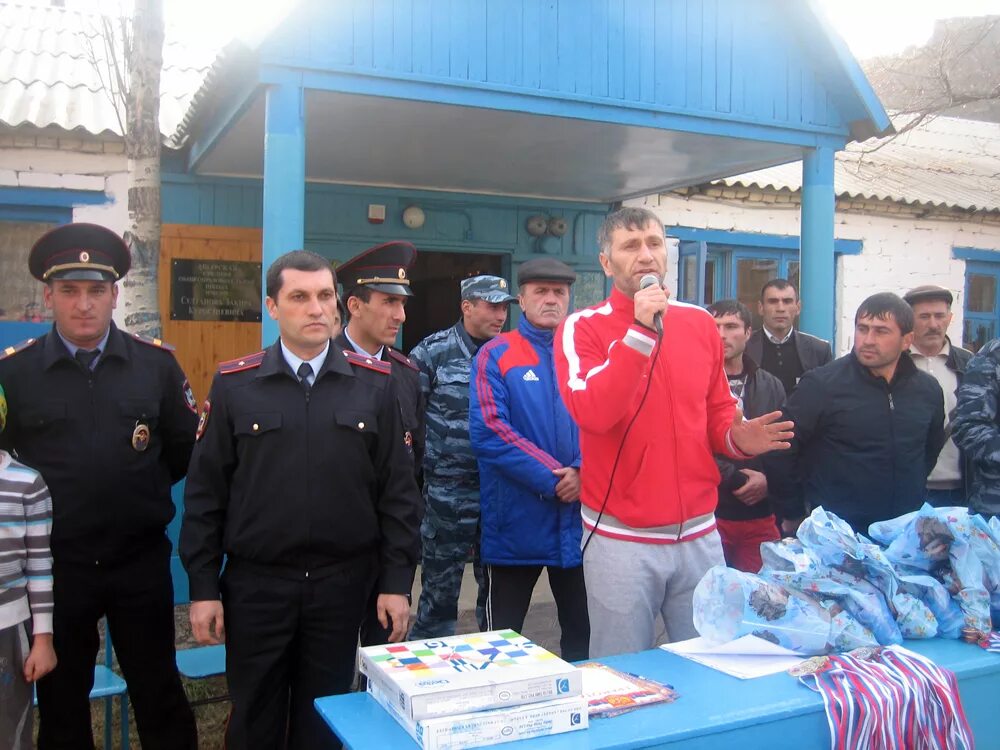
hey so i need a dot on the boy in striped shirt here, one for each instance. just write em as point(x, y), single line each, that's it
point(25, 593)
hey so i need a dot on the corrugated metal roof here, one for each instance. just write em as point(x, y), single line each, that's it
point(944, 162)
point(53, 60)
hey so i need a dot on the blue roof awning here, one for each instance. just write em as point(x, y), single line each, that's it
point(558, 99)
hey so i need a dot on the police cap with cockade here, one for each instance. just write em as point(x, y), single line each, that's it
point(384, 268)
point(79, 252)
point(490, 288)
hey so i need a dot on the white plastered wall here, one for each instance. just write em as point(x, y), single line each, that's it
point(898, 253)
point(60, 169)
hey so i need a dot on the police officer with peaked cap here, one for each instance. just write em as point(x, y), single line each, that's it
point(108, 419)
point(302, 480)
point(376, 287)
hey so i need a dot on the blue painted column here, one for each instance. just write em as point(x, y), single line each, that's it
point(817, 269)
point(284, 183)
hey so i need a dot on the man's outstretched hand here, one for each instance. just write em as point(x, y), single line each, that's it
point(761, 435)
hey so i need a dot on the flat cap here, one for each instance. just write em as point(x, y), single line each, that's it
point(928, 293)
point(545, 269)
point(490, 288)
point(79, 252)
point(384, 268)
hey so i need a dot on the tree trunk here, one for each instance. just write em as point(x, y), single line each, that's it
point(142, 147)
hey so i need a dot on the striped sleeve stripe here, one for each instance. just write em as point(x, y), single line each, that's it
point(577, 383)
point(488, 408)
point(731, 446)
point(639, 341)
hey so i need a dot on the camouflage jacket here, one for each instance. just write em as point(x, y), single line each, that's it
point(976, 427)
point(445, 361)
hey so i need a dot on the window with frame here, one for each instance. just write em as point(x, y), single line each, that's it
point(982, 303)
point(732, 272)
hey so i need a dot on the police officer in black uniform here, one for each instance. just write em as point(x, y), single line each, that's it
point(301, 476)
point(376, 288)
point(108, 419)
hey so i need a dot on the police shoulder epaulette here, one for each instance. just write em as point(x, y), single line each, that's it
point(10, 351)
point(369, 363)
point(241, 363)
point(402, 358)
point(158, 343)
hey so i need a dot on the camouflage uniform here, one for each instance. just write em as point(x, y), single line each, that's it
point(976, 428)
point(450, 529)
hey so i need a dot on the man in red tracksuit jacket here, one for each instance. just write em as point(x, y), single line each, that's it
point(651, 411)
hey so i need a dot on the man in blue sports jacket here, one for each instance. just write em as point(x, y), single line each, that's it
point(529, 456)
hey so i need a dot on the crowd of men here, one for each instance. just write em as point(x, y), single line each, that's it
point(624, 448)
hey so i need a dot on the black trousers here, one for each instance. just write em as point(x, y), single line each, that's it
point(372, 632)
point(137, 598)
point(508, 596)
point(290, 641)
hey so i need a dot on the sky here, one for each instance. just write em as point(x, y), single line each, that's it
point(880, 27)
point(870, 27)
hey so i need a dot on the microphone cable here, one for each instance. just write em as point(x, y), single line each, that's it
point(621, 446)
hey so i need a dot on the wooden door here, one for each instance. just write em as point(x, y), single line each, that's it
point(202, 344)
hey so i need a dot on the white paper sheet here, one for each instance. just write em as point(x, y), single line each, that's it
point(745, 658)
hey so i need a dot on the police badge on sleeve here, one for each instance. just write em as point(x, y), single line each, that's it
point(189, 398)
point(203, 419)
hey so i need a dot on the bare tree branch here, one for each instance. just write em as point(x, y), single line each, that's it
point(956, 73)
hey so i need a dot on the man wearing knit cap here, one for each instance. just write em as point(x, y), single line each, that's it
point(933, 352)
point(450, 529)
point(529, 459)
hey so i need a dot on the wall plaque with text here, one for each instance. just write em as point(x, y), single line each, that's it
point(224, 290)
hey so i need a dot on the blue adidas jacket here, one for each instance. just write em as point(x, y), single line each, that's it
point(520, 431)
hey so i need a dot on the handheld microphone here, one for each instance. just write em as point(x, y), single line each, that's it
point(651, 279)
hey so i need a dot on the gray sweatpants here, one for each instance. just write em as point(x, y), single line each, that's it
point(630, 583)
point(15, 692)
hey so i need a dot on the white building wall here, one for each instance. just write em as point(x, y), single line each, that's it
point(31, 162)
point(898, 252)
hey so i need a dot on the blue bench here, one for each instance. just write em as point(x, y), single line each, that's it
point(200, 662)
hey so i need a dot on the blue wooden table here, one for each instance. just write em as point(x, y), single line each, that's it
point(713, 711)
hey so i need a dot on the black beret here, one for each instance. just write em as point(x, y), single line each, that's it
point(79, 252)
point(928, 293)
point(545, 269)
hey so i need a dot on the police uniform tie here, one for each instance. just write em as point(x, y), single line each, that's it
point(86, 357)
point(304, 371)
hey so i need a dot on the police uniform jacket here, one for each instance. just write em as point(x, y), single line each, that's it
point(300, 481)
point(405, 376)
point(82, 431)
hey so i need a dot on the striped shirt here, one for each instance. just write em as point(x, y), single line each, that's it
point(25, 559)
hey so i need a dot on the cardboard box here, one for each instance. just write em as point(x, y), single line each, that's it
point(491, 727)
point(467, 673)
